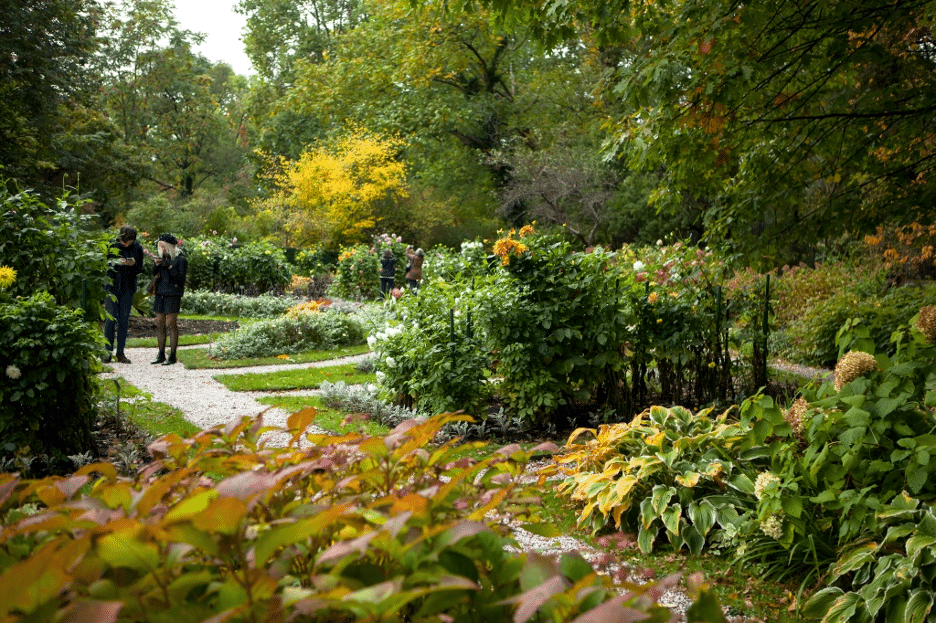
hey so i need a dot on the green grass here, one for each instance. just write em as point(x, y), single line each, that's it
point(156, 419)
point(297, 379)
point(184, 339)
point(326, 418)
point(198, 358)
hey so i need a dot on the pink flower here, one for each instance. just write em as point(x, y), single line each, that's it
point(640, 277)
point(360, 271)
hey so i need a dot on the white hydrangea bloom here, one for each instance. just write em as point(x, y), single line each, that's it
point(772, 527)
point(380, 377)
point(371, 341)
point(390, 362)
point(638, 266)
point(13, 372)
point(763, 482)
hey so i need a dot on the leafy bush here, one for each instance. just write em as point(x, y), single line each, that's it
point(360, 399)
point(358, 273)
point(47, 403)
point(218, 264)
point(349, 529)
point(811, 337)
point(222, 304)
point(306, 332)
point(431, 355)
point(53, 249)
point(827, 490)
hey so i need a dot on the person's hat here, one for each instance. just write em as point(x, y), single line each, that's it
point(168, 238)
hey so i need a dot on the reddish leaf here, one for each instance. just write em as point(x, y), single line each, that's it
point(612, 611)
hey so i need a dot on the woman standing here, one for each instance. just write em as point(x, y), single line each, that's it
point(387, 271)
point(123, 275)
point(414, 275)
point(170, 268)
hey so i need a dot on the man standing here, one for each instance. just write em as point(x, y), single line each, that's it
point(127, 257)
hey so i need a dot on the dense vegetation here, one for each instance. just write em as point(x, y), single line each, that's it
point(711, 183)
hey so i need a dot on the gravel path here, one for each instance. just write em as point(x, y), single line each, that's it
point(205, 402)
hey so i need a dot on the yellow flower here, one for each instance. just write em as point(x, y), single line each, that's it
point(653, 297)
point(659, 320)
point(526, 229)
point(306, 307)
point(7, 277)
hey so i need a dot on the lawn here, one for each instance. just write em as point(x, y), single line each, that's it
point(295, 379)
point(154, 418)
point(327, 418)
point(200, 358)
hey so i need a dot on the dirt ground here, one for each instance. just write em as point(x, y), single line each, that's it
point(143, 327)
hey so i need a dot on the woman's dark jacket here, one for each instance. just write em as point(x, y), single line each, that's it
point(123, 278)
point(171, 276)
point(387, 267)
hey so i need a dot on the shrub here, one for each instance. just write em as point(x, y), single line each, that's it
point(358, 273)
point(811, 337)
point(47, 403)
point(432, 355)
point(218, 264)
point(281, 335)
point(212, 303)
point(52, 249)
point(349, 529)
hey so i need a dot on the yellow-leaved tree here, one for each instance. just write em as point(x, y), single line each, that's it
point(337, 192)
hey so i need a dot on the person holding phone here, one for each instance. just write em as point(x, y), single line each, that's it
point(171, 268)
point(126, 259)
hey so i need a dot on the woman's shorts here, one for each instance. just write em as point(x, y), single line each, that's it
point(167, 304)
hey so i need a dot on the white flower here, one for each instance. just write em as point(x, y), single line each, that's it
point(764, 482)
point(381, 376)
point(390, 362)
point(659, 242)
point(772, 527)
point(371, 341)
point(372, 388)
point(13, 372)
point(638, 266)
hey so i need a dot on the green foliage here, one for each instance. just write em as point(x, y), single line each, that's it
point(892, 578)
point(811, 337)
point(358, 273)
point(378, 535)
point(47, 395)
point(667, 471)
point(283, 335)
point(216, 263)
point(433, 355)
point(53, 250)
point(211, 303)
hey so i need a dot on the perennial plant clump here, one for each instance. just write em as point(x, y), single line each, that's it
point(283, 335)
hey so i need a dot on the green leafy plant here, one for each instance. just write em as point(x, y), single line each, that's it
point(352, 528)
point(284, 335)
point(357, 275)
point(47, 394)
point(73, 269)
point(216, 263)
point(667, 471)
point(212, 303)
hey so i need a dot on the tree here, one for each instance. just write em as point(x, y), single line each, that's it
point(50, 131)
point(798, 119)
point(334, 193)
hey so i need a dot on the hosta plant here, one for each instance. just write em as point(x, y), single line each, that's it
point(668, 472)
point(348, 528)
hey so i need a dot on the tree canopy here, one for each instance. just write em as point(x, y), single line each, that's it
point(794, 118)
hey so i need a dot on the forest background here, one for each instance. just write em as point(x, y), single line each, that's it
point(781, 130)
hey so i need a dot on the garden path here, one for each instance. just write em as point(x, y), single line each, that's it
point(205, 402)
